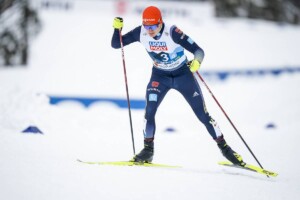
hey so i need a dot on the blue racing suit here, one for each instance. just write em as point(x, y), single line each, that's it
point(169, 71)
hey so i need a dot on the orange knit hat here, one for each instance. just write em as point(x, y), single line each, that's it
point(151, 16)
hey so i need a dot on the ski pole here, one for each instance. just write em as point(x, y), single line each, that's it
point(127, 92)
point(228, 118)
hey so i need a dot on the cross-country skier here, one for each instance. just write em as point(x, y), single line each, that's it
point(165, 44)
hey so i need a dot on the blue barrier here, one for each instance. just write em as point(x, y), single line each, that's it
point(225, 74)
point(87, 101)
point(140, 103)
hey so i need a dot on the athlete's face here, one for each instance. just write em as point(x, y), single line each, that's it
point(153, 30)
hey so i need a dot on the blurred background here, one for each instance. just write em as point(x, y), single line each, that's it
point(58, 51)
point(20, 20)
point(62, 98)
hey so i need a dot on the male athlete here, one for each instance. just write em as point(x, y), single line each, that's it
point(165, 44)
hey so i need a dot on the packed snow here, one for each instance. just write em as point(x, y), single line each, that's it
point(72, 56)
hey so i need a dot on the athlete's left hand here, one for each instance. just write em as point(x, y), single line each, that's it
point(194, 65)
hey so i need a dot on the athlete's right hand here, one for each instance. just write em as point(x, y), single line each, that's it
point(118, 23)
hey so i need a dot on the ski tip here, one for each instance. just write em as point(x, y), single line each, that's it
point(250, 167)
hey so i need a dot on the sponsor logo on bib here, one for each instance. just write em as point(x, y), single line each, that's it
point(158, 46)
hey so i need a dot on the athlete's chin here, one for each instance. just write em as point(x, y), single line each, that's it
point(151, 34)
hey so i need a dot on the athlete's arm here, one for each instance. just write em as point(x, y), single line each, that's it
point(128, 38)
point(186, 42)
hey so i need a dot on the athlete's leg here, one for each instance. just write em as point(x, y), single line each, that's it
point(188, 86)
point(155, 93)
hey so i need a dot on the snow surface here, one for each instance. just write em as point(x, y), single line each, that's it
point(72, 56)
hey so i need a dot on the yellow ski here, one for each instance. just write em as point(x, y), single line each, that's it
point(129, 163)
point(249, 167)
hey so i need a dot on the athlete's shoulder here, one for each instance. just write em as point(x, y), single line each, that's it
point(175, 28)
point(169, 28)
point(176, 33)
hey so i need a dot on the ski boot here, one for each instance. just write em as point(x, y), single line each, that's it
point(228, 153)
point(146, 155)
